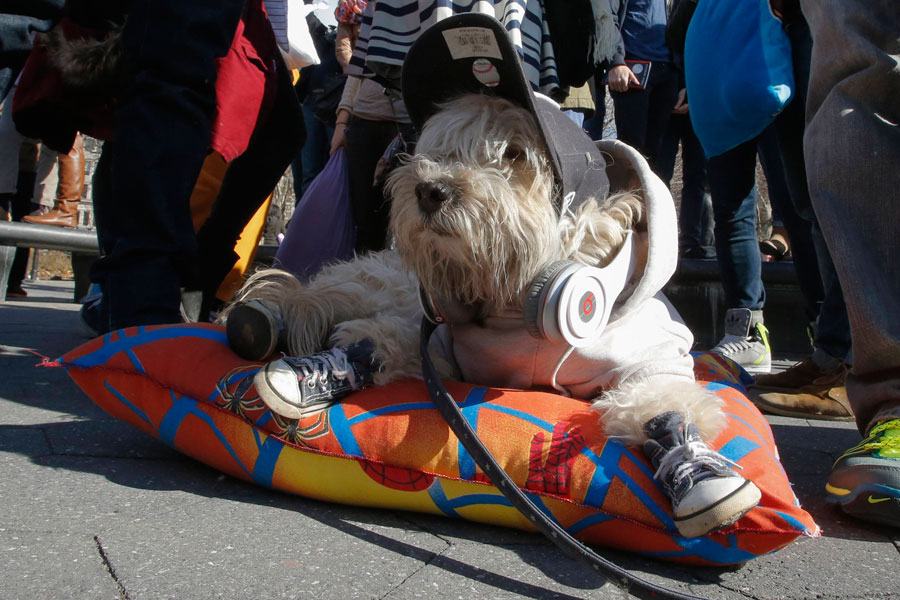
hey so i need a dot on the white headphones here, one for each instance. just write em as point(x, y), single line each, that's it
point(566, 302)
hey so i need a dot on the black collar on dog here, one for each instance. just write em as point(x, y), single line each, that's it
point(446, 405)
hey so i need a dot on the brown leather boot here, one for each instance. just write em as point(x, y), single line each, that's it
point(64, 214)
point(68, 192)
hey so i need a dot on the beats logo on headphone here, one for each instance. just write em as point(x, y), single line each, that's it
point(567, 301)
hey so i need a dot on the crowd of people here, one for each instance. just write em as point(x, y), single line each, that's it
point(195, 78)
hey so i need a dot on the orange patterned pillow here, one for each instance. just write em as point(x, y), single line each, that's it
point(389, 447)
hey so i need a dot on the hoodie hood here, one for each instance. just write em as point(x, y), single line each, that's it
point(657, 249)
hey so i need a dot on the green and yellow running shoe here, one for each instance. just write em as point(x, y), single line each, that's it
point(865, 481)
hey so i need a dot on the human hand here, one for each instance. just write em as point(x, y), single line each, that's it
point(620, 77)
point(340, 127)
point(339, 138)
point(681, 107)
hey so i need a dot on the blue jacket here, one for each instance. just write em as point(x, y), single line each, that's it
point(642, 24)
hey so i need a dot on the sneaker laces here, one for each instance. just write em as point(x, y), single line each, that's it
point(692, 460)
point(317, 367)
point(883, 438)
point(734, 344)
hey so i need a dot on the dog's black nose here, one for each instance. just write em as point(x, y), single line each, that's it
point(432, 195)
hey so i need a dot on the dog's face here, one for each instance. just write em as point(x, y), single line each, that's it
point(472, 211)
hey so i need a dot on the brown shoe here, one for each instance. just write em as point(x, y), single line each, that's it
point(804, 391)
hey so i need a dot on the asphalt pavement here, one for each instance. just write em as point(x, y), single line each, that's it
point(93, 508)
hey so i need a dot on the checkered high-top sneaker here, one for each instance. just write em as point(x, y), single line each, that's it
point(746, 340)
point(298, 386)
point(706, 492)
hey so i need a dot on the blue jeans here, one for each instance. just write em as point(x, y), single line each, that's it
point(696, 237)
point(643, 115)
point(163, 128)
point(852, 145)
point(732, 185)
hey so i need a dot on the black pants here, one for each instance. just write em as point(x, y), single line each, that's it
point(366, 143)
point(162, 135)
point(18, 205)
point(643, 115)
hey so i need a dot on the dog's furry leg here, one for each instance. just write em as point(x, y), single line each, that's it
point(343, 291)
point(625, 409)
point(396, 341)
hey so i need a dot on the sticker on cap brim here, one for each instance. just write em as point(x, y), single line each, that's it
point(485, 72)
point(466, 42)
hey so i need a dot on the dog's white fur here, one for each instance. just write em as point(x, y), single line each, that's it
point(481, 249)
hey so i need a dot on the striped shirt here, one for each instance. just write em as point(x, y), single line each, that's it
point(277, 13)
point(389, 27)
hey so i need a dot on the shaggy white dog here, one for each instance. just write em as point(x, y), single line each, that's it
point(474, 224)
point(477, 250)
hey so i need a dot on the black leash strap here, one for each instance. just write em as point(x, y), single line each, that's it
point(448, 408)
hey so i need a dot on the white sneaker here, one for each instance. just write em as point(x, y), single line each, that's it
point(706, 492)
point(299, 386)
point(746, 340)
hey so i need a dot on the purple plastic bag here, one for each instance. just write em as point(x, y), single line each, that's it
point(321, 230)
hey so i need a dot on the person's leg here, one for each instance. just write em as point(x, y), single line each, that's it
point(19, 207)
point(832, 329)
point(314, 153)
point(47, 180)
point(594, 125)
point(852, 148)
point(813, 387)
point(631, 117)
point(663, 87)
point(732, 182)
point(696, 203)
point(668, 148)
point(832, 332)
point(806, 265)
point(366, 143)
point(778, 245)
point(163, 128)
point(69, 185)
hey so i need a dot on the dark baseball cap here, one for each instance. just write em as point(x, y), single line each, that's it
point(471, 53)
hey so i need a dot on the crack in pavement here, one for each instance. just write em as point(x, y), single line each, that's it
point(104, 558)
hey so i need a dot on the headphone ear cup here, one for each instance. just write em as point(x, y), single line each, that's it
point(536, 297)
